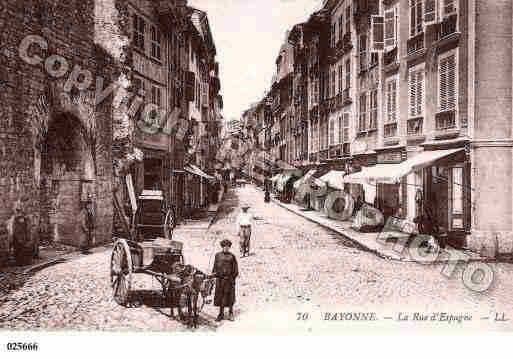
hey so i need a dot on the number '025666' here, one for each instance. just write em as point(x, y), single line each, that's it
point(17, 346)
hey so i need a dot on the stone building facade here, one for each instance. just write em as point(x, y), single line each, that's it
point(55, 140)
point(428, 87)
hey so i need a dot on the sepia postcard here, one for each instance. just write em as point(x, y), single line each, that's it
point(271, 166)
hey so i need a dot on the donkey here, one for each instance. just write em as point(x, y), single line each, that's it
point(194, 284)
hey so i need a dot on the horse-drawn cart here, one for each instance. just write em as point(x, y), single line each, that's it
point(150, 250)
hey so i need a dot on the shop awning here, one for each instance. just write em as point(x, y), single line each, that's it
point(334, 179)
point(192, 169)
point(392, 173)
point(303, 179)
point(280, 186)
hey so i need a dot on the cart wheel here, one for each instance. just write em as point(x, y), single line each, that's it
point(121, 272)
point(169, 224)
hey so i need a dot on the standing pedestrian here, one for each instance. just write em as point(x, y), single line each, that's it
point(267, 189)
point(225, 271)
point(87, 225)
point(244, 224)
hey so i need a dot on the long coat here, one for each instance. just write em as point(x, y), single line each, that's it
point(225, 270)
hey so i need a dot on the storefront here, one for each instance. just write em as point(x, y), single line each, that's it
point(198, 185)
point(434, 185)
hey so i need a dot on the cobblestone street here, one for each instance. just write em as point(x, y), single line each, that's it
point(295, 267)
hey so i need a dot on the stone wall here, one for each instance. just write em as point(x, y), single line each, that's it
point(32, 98)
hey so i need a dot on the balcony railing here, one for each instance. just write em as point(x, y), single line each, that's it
point(415, 43)
point(323, 155)
point(346, 94)
point(390, 57)
point(339, 100)
point(414, 126)
point(447, 27)
point(390, 130)
point(445, 120)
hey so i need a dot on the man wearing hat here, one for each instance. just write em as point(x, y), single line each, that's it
point(225, 271)
point(244, 223)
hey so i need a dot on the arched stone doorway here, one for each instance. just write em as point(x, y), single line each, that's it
point(67, 177)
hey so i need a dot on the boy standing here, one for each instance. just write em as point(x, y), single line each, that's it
point(225, 271)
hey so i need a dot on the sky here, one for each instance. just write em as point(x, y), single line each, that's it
point(248, 36)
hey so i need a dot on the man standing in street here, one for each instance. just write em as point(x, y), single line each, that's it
point(87, 226)
point(244, 224)
point(225, 271)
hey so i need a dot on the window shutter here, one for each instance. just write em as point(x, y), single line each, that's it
point(190, 84)
point(389, 29)
point(447, 85)
point(413, 93)
point(419, 16)
point(430, 12)
point(378, 33)
point(346, 127)
point(420, 90)
point(341, 129)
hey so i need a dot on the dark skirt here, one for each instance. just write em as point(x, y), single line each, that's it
point(224, 295)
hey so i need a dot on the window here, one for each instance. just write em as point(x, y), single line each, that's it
point(391, 22)
point(326, 86)
point(391, 98)
point(341, 130)
point(362, 121)
point(346, 128)
point(340, 27)
point(390, 130)
point(333, 34)
point(416, 96)
point(155, 43)
point(348, 19)
point(374, 59)
point(333, 82)
point(448, 7)
point(378, 33)
point(138, 31)
point(340, 78)
point(373, 109)
point(416, 23)
point(156, 95)
point(348, 74)
point(332, 131)
point(447, 82)
point(363, 52)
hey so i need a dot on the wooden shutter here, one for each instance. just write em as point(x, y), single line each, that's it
point(413, 93)
point(392, 100)
point(447, 83)
point(420, 91)
point(390, 29)
point(430, 12)
point(190, 82)
point(341, 129)
point(346, 127)
point(378, 33)
point(419, 16)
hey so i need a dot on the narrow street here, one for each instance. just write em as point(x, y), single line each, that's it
point(295, 267)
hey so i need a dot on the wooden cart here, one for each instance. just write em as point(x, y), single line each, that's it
point(149, 250)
